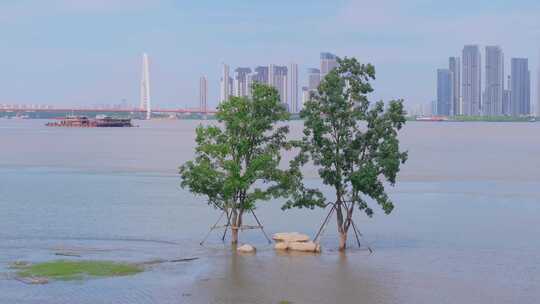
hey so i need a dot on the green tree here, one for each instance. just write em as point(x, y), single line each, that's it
point(354, 144)
point(237, 161)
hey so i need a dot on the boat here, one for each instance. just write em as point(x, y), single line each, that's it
point(100, 121)
point(431, 118)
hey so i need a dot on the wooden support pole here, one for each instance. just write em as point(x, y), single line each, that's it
point(324, 223)
point(262, 229)
point(212, 228)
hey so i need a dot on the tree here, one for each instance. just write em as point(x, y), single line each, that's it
point(353, 143)
point(237, 162)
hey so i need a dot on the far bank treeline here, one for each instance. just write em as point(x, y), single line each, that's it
point(353, 143)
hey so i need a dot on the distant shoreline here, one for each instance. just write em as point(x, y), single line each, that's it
point(293, 117)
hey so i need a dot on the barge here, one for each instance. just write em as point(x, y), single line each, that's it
point(85, 122)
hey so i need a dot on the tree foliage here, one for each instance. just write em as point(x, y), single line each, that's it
point(353, 143)
point(237, 162)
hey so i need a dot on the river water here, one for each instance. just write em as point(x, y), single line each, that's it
point(465, 228)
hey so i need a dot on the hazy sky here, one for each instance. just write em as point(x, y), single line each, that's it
point(83, 52)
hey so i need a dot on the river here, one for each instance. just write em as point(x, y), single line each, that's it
point(464, 230)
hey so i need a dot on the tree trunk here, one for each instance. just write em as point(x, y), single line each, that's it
point(342, 241)
point(342, 229)
point(234, 231)
point(236, 223)
point(234, 227)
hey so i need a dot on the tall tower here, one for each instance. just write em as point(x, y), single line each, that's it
point(241, 82)
point(328, 63)
point(145, 87)
point(226, 84)
point(203, 94)
point(271, 76)
point(454, 65)
point(494, 92)
point(538, 89)
point(472, 80)
point(444, 91)
point(314, 79)
point(521, 87)
point(261, 75)
point(293, 88)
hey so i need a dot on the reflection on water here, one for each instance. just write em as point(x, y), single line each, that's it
point(464, 217)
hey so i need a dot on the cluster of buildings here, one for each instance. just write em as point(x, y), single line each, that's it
point(282, 77)
point(466, 87)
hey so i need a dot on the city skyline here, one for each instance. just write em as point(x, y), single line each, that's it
point(484, 94)
point(56, 54)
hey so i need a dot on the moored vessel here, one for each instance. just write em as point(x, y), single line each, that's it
point(85, 122)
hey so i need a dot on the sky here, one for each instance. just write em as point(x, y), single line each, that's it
point(87, 52)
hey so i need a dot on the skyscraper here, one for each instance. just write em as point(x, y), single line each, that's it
point(454, 64)
point(261, 75)
point(494, 91)
point(314, 79)
point(305, 96)
point(249, 84)
point(271, 77)
point(444, 91)
point(328, 62)
point(538, 89)
point(145, 87)
point(225, 84)
point(203, 94)
point(241, 82)
point(471, 80)
point(294, 107)
point(507, 98)
point(280, 82)
point(278, 78)
point(521, 87)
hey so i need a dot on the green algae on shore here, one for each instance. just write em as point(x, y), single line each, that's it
point(73, 270)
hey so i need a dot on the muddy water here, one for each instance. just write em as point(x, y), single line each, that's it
point(465, 226)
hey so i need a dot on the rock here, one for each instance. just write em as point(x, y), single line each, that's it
point(281, 246)
point(290, 237)
point(246, 248)
point(304, 246)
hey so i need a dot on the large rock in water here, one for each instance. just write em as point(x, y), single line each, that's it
point(246, 248)
point(304, 246)
point(281, 246)
point(289, 237)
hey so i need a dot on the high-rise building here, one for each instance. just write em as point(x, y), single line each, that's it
point(278, 77)
point(225, 84)
point(328, 63)
point(145, 87)
point(538, 89)
point(454, 64)
point(521, 87)
point(241, 82)
point(314, 79)
point(494, 91)
point(249, 84)
point(471, 80)
point(261, 75)
point(294, 106)
point(203, 94)
point(271, 75)
point(444, 91)
point(305, 96)
point(507, 98)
